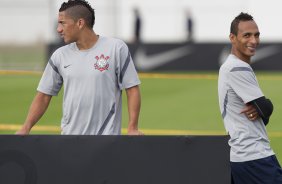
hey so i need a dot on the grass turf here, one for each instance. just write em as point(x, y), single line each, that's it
point(168, 103)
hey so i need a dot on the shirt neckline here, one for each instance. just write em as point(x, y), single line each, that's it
point(87, 50)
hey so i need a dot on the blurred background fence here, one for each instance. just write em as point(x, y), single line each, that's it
point(28, 27)
point(34, 21)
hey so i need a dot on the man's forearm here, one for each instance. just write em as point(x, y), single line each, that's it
point(38, 107)
point(134, 104)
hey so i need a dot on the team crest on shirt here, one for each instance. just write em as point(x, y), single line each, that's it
point(102, 63)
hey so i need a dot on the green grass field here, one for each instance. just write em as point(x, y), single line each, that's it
point(172, 104)
point(22, 57)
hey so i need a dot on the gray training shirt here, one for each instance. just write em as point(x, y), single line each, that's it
point(237, 85)
point(93, 80)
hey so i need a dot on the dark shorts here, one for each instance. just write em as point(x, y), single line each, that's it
point(262, 171)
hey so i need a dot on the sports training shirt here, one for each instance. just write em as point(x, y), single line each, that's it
point(93, 81)
point(237, 85)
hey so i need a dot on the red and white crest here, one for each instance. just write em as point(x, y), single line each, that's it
point(102, 63)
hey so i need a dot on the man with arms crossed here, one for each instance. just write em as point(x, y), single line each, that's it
point(94, 70)
point(245, 110)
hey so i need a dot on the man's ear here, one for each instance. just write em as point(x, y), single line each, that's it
point(232, 37)
point(81, 23)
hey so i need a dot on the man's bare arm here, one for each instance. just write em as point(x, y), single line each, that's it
point(38, 107)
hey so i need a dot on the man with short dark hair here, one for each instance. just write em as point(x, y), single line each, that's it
point(93, 70)
point(245, 110)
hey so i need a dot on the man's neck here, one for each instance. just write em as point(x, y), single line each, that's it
point(241, 57)
point(87, 40)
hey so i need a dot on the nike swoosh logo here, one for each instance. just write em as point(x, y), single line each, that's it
point(260, 54)
point(66, 66)
point(265, 52)
point(145, 62)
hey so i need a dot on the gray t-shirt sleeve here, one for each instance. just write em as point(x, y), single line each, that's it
point(126, 72)
point(243, 81)
point(51, 80)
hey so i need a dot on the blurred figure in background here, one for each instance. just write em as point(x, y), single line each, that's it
point(189, 26)
point(137, 25)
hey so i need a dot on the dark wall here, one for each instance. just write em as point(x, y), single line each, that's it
point(199, 56)
point(195, 56)
point(114, 159)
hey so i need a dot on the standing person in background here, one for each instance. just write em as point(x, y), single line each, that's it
point(137, 26)
point(245, 110)
point(93, 70)
point(189, 26)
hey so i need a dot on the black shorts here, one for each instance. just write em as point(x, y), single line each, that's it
point(262, 171)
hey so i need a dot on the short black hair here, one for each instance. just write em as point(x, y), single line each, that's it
point(241, 17)
point(79, 9)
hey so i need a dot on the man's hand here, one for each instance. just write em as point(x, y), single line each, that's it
point(251, 112)
point(134, 132)
point(22, 131)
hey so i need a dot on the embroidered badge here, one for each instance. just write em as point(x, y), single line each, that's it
point(102, 63)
